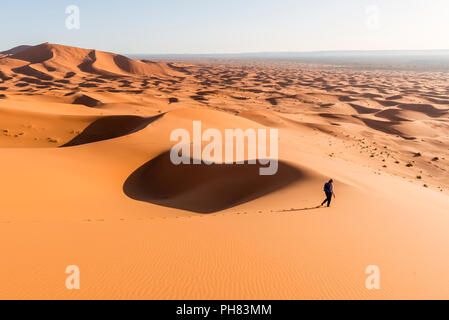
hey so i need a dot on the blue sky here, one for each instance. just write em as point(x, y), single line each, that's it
point(229, 26)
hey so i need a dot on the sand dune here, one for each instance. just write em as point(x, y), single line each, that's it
point(86, 179)
point(47, 59)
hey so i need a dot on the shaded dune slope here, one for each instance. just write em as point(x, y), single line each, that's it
point(111, 127)
point(204, 188)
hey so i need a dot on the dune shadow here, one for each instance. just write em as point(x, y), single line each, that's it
point(384, 126)
point(111, 127)
point(198, 98)
point(4, 77)
point(31, 72)
point(427, 109)
point(86, 101)
point(204, 188)
point(346, 99)
point(273, 101)
point(69, 75)
point(362, 109)
point(387, 103)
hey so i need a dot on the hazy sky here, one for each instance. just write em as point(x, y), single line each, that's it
point(229, 26)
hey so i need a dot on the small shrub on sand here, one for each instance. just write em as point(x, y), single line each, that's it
point(409, 165)
point(435, 159)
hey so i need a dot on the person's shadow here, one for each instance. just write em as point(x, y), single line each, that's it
point(302, 209)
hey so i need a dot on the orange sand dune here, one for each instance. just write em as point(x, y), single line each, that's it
point(47, 60)
point(87, 180)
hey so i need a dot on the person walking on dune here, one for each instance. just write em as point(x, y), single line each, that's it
point(329, 191)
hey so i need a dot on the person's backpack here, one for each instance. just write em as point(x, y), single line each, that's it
point(327, 187)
